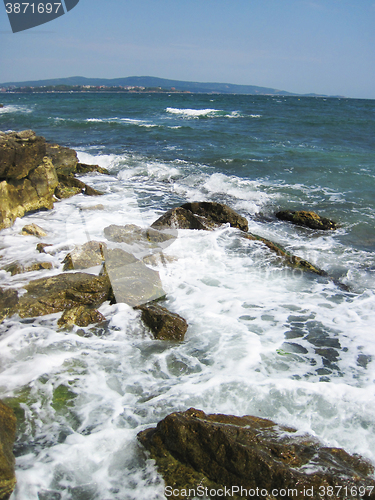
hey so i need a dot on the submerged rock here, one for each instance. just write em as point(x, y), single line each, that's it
point(307, 219)
point(193, 449)
point(164, 324)
point(64, 291)
point(7, 460)
point(18, 268)
point(132, 234)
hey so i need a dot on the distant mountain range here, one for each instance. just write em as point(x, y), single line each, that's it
point(151, 81)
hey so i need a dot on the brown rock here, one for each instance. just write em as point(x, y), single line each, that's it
point(33, 230)
point(20, 152)
point(64, 159)
point(7, 460)
point(216, 214)
point(192, 449)
point(68, 183)
point(8, 302)
point(164, 324)
point(84, 256)
point(178, 218)
point(18, 268)
point(41, 246)
point(80, 316)
point(83, 168)
point(64, 291)
point(307, 219)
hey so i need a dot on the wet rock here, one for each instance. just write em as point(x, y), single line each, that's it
point(289, 259)
point(1, 105)
point(64, 159)
point(69, 186)
point(201, 215)
point(193, 449)
point(130, 234)
point(33, 230)
point(41, 246)
point(20, 152)
point(7, 460)
point(18, 268)
point(8, 302)
point(80, 316)
point(215, 214)
point(132, 281)
point(64, 291)
point(83, 168)
point(164, 324)
point(307, 219)
point(178, 218)
point(99, 206)
point(84, 256)
point(35, 192)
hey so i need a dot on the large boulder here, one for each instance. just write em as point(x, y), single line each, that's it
point(163, 324)
point(7, 460)
point(178, 218)
point(307, 219)
point(34, 192)
point(230, 454)
point(20, 152)
point(64, 291)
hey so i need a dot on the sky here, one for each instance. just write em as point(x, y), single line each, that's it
point(301, 46)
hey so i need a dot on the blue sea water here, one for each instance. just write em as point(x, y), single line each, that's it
point(262, 340)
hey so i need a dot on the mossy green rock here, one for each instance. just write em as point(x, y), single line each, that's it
point(7, 436)
point(8, 302)
point(80, 316)
point(64, 291)
point(191, 448)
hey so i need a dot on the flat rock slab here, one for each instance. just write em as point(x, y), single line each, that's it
point(132, 234)
point(64, 291)
point(218, 451)
point(132, 281)
point(307, 219)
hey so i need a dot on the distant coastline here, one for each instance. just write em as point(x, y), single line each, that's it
point(137, 84)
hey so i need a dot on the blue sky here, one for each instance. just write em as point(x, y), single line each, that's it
point(302, 46)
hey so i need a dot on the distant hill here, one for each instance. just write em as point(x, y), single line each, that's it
point(151, 81)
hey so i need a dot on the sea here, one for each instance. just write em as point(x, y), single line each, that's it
point(263, 339)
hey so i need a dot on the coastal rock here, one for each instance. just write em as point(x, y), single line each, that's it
point(41, 246)
point(83, 168)
point(18, 268)
point(7, 460)
point(20, 152)
point(132, 281)
point(178, 218)
point(215, 214)
point(64, 291)
point(218, 451)
point(8, 302)
point(307, 219)
point(35, 192)
point(70, 186)
point(33, 230)
point(288, 259)
point(201, 215)
point(80, 316)
point(130, 234)
point(64, 159)
point(84, 256)
point(164, 324)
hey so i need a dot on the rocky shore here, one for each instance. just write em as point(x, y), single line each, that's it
point(190, 448)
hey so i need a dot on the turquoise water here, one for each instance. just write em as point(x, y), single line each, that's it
point(262, 340)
